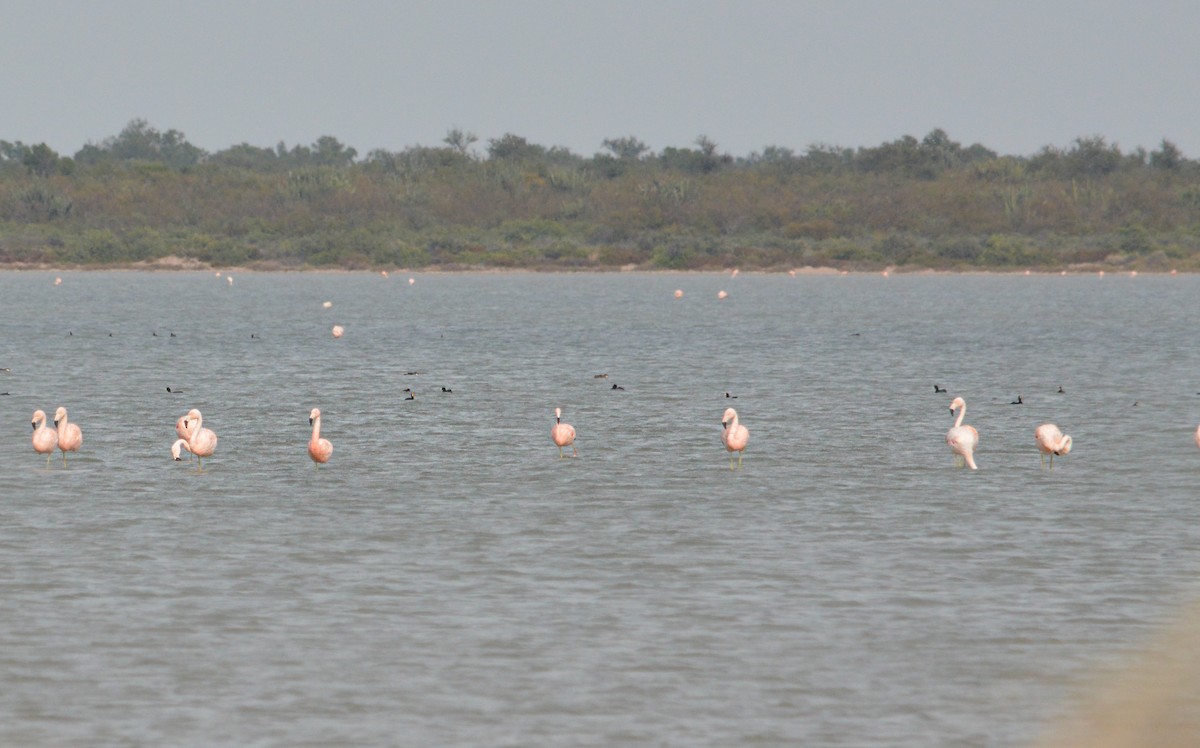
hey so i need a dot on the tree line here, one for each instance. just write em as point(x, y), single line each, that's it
point(144, 195)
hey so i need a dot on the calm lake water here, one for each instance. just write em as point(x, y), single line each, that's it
point(447, 580)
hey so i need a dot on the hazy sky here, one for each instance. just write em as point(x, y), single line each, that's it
point(1014, 75)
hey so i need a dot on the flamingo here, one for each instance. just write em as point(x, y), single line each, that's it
point(1198, 436)
point(320, 450)
point(70, 437)
point(735, 436)
point(201, 443)
point(563, 434)
point(962, 439)
point(184, 430)
point(338, 331)
point(44, 439)
point(1051, 441)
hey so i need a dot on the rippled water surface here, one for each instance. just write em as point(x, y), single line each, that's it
point(447, 580)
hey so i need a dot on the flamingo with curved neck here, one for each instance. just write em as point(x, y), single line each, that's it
point(735, 436)
point(1051, 441)
point(202, 442)
point(961, 439)
point(563, 434)
point(44, 439)
point(70, 437)
point(320, 450)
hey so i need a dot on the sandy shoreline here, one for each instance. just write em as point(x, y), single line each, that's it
point(178, 264)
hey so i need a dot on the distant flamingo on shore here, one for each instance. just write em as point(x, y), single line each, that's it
point(962, 439)
point(320, 450)
point(44, 439)
point(563, 434)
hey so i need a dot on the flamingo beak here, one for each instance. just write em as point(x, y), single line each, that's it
point(56, 424)
point(33, 424)
point(178, 459)
point(310, 422)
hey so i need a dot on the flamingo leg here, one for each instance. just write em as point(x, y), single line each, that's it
point(576, 451)
point(739, 460)
point(1051, 460)
point(560, 453)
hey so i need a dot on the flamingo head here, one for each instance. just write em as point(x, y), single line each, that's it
point(38, 417)
point(1064, 447)
point(60, 415)
point(557, 414)
point(314, 415)
point(957, 403)
point(729, 416)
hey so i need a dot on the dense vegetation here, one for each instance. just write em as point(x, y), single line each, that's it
point(144, 195)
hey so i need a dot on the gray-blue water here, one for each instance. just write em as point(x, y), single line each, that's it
point(447, 580)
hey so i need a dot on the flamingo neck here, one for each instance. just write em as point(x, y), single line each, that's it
point(962, 412)
point(316, 428)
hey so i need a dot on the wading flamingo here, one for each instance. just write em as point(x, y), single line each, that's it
point(44, 439)
point(70, 437)
point(962, 439)
point(338, 331)
point(320, 450)
point(184, 430)
point(1051, 441)
point(201, 443)
point(563, 434)
point(735, 436)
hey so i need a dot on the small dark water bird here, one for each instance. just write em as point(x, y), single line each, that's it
point(411, 396)
point(411, 373)
point(447, 389)
point(938, 390)
point(617, 387)
point(1061, 391)
point(599, 376)
point(1019, 401)
point(731, 397)
point(174, 392)
point(172, 334)
point(253, 336)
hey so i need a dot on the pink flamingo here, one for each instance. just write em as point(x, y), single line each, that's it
point(1198, 436)
point(962, 439)
point(184, 429)
point(202, 443)
point(320, 450)
point(563, 434)
point(70, 437)
point(735, 436)
point(1051, 441)
point(338, 331)
point(44, 439)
